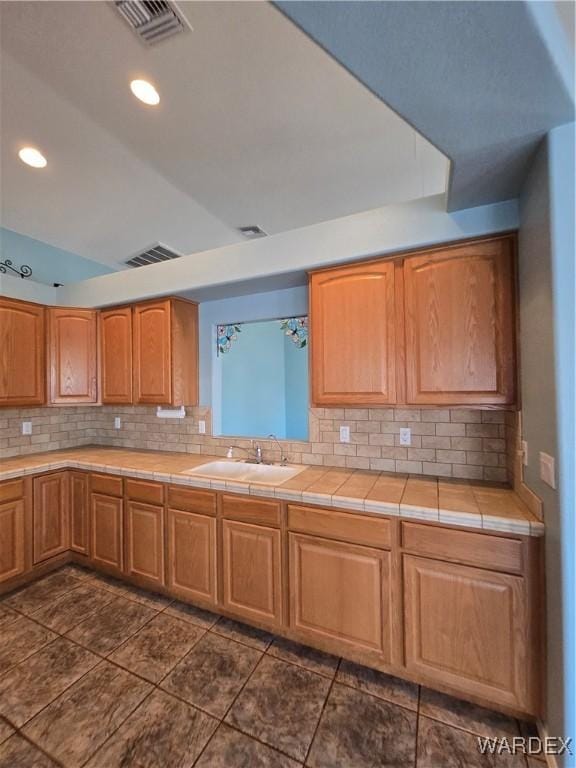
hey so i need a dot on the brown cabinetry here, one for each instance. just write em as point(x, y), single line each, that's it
point(191, 571)
point(72, 335)
point(79, 512)
point(252, 572)
point(12, 539)
point(340, 595)
point(466, 628)
point(145, 541)
point(106, 531)
point(353, 334)
point(116, 354)
point(22, 353)
point(50, 516)
point(165, 344)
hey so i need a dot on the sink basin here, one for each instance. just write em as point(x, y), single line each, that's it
point(265, 474)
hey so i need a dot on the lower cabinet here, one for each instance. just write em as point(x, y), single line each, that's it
point(50, 516)
point(145, 541)
point(252, 570)
point(106, 531)
point(191, 571)
point(466, 628)
point(12, 539)
point(340, 594)
point(79, 512)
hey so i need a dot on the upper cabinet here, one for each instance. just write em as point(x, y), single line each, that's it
point(72, 352)
point(459, 308)
point(22, 353)
point(116, 354)
point(165, 344)
point(353, 335)
point(431, 328)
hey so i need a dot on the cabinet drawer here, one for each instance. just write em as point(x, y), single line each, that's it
point(191, 500)
point(11, 490)
point(497, 553)
point(347, 526)
point(251, 510)
point(110, 485)
point(143, 490)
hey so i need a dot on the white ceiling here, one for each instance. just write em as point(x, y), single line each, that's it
point(256, 125)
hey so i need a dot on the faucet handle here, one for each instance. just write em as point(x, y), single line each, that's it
point(230, 453)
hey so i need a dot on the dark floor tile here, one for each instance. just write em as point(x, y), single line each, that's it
point(213, 673)
point(232, 749)
point(242, 633)
point(281, 705)
point(6, 730)
point(360, 731)
point(35, 595)
point(70, 609)
point(77, 571)
point(37, 681)
point(19, 753)
point(113, 624)
point(191, 613)
point(310, 658)
point(462, 714)
point(379, 684)
point(7, 616)
point(156, 648)
point(441, 746)
point(20, 639)
point(130, 592)
point(79, 721)
point(162, 733)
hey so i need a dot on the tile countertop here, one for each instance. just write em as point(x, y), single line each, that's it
point(453, 502)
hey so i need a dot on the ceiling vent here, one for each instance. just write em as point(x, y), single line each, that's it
point(153, 255)
point(152, 20)
point(252, 232)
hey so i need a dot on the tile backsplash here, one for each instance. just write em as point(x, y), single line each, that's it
point(446, 442)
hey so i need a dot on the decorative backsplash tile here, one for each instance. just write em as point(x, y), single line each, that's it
point(446, 442)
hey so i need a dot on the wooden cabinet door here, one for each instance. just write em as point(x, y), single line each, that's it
point(459, 315)
point(340, 594)
point(353, 335)
point(152, 353)
point(79, 512)
point(12, 539)
point(50, 516)
point(73, 355)
point(466, 628)
point(145, 541)
point(252, 572)
point(22, 353)
point(192, 556)
point(116, 354)
point(107, 538)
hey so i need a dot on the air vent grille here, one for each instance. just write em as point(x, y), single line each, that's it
point(153, 255)
point(152, 20)
point(252, 231)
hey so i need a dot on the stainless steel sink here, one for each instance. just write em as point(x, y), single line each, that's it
point(265, 474)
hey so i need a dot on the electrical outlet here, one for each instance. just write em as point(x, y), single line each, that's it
point(201, 427)
point(524, 448)
point(344, 434)
point(26, 427)
point(548, 469)
point(405, 436)
point(117, 422)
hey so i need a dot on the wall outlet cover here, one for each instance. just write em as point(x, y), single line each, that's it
point(524, 449)
point(548, 469)
point(26, 427)
point(344, 434)
point(117, 422)
point(405, 436)
point(201, 427)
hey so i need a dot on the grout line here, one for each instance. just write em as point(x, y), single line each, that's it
point(332, 682)
point(417, 727)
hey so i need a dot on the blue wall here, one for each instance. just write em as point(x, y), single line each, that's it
point(296, 388)
point(50, 265)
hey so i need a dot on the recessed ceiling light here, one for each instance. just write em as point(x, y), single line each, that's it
point(32, 157)
point(145, 91)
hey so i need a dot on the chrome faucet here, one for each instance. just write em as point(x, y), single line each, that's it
point(255, 453)
point(283, 458)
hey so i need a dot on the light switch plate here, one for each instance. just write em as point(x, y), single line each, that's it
point(201, 427)
point(344, 434)
point(26, 427)
point(405, 436)
point(117, 422)
point(524, 447)
point(548, 469)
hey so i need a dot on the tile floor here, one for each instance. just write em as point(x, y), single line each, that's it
point(96, 673)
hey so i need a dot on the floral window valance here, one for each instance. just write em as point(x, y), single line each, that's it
point(226, 334)
point(294, 327)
